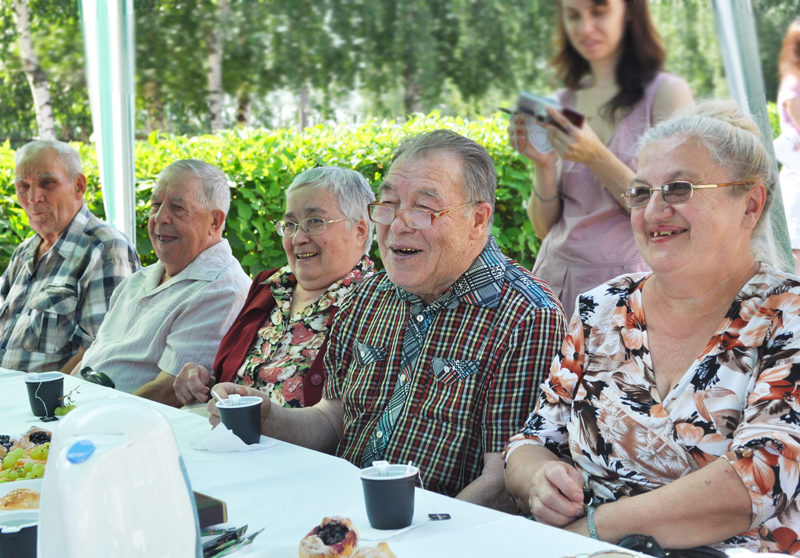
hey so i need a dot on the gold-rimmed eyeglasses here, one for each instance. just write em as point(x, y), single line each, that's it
point(413, 217)
point(673, 193)
point(311, 226)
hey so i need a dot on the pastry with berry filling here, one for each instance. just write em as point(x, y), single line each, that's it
point(334, 537)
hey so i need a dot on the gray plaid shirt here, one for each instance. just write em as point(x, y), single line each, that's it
point(49, 310)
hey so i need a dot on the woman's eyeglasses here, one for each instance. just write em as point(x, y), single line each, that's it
point(672, 192)
point(311, 226)
point(414, 218)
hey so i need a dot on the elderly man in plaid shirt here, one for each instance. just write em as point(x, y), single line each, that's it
point(56, 289)
point(437, 360)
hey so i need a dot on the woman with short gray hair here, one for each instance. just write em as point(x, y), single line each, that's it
point(278, 341)
point(673, 402)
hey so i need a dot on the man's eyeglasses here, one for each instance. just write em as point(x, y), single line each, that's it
point(312, 226)
point(672, 192)
point(413, 217)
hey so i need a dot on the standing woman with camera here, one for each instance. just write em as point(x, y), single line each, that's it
point(789, 113)
point(610, 58)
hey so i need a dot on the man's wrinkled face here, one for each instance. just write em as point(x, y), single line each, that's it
point(48, 194)
point(180, 227)
point(426, 262)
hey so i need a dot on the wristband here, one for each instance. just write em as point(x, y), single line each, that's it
point(590, 520)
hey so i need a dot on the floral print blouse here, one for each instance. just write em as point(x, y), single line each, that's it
point(599, 407)
point(286, 346)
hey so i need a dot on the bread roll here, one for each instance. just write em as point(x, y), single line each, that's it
point(20, 499)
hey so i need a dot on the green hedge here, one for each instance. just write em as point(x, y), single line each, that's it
point(262, 163)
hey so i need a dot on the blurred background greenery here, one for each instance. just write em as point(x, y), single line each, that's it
point(312, 82)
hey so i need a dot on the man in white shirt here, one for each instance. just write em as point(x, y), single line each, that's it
point(176, 310)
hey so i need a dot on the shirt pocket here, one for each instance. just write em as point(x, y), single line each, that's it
point(448, 371)
point(51, 321)
point(367, 354)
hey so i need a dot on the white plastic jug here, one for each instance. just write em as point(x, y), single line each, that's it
point(115, 485)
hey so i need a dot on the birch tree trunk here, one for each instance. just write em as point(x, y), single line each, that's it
point(215, 43)
point(302, 109)
point(37, 79)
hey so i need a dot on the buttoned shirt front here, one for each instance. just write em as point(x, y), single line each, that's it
point(50, 308)
point(153, 326)
point(480, 357)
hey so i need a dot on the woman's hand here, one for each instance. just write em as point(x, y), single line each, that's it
point(192, 383)
point(556, 494)
point(225, 389)
point(572, 143)
point(518, 138)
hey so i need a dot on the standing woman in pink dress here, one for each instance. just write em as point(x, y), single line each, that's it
point(610, 58)
point(789, 113)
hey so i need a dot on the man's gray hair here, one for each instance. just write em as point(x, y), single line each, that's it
point(68, 156)
point(734, 142)
point(349, 188)
point(477, 168)
point(216, 193)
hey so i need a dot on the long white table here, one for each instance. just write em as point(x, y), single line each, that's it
point(287, 490)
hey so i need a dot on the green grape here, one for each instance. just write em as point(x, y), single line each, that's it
point(2, 480)
point(9, 461)
point(4, 473)
point(45, 453)
point(29, 476)
point(13, 475)
point(36, 453)
point(71, 407)
point(19, 453)
point(38, 470)
point(28, 467)
point(59, 411)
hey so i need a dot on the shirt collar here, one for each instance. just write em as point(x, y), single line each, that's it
point(67, 240)
point(480, 285)
point(205, 267)
point(282, 282)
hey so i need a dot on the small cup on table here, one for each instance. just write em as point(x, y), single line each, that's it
point(45, 392)
point(389, 494)
point(242, 416)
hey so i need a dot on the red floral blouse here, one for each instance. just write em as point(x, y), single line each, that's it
point(286, 346)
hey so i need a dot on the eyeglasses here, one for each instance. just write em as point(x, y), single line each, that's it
point(312, 226)
point(672, 192)
point(414, 218)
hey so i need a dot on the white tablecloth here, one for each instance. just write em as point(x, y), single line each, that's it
point(287, 490)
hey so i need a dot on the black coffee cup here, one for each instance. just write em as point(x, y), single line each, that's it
point(18, 534)
point(242, 415)
point(389, 494)
point(45, 392)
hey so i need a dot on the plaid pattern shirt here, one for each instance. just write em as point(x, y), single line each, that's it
point(489, 341)
point(50, 309)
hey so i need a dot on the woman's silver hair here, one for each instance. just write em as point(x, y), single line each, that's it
point(734, 142)
point(477, 168)
point(349, 188)
point(68, 155)
point(216, 192)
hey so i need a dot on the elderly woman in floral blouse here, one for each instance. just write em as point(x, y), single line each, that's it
point(278, 340)
point(673, 402)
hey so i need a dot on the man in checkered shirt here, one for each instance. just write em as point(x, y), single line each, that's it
point(438, 359)
point(56, 289)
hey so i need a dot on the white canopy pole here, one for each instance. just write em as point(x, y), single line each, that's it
point(108, 34)
point(739, 44)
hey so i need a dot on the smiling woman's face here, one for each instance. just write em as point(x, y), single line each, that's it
point(319, 261)
point(704, 235)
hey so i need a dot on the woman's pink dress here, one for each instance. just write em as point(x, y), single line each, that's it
point(592, 242)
